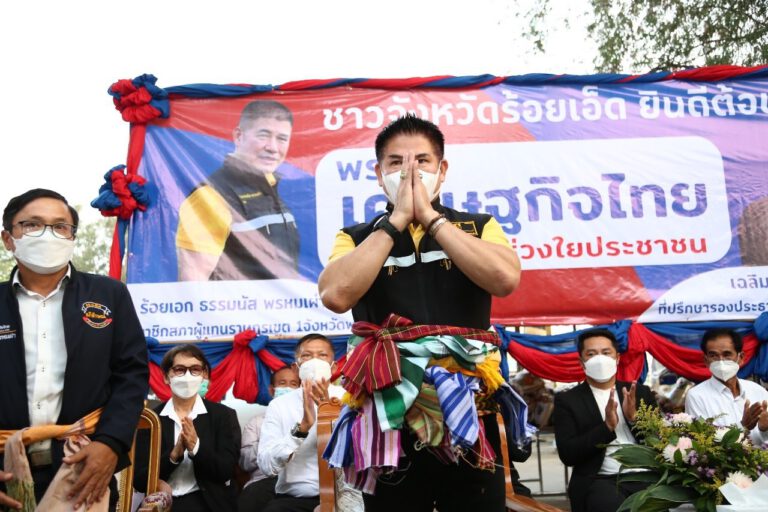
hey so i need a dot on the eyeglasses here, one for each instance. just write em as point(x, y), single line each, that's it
point(36, 228)
point(196, 370)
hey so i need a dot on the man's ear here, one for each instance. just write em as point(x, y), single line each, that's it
point(237, 134)
point(442, 171)
point(377, 170)
point(8, 241)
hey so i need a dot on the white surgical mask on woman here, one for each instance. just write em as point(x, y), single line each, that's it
point(44, 254)
point(600, 368)
point(315, 369)
point(724, 369)
point(186, 386)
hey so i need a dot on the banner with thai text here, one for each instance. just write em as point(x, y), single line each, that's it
point(638, 199)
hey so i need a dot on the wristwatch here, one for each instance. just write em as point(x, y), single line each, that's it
point(296, 432)
point(389, 228)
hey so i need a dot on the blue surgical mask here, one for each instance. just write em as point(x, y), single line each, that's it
point(203, 388)
point(282, 390)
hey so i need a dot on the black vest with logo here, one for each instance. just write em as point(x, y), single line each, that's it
point(425, 285)
point(257, 213)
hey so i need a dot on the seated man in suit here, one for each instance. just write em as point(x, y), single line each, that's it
point(600, 411)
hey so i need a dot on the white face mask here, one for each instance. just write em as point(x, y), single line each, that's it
point(282, 390)
point(429, 179)
point(600, 368)
point(186, 386)
point(43, 254)
point(315, 370)
point(724, 370)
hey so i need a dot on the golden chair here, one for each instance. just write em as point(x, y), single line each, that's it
point(516, 502)
point(148, 420)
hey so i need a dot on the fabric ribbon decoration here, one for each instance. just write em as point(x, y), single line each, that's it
point(240, 367)
point(140, 100)
point(374, 365)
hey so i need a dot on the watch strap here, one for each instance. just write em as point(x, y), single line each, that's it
point(389, 228)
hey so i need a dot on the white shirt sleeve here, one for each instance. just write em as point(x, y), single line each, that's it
point(250, 444)
point(277, 445)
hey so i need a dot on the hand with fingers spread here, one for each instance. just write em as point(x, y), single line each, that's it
point(751, 414)
point(6, 500)
point(99, 463)
point(629, 402)
point(611, 412)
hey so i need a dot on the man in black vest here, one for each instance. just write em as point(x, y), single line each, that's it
point(432, 265)
point(234, 225)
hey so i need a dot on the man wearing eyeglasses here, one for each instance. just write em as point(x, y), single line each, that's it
point(70, 344)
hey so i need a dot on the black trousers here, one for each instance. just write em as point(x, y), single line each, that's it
point(192, 502)
point(423, 483)
point(286, 503)
point(255, 496)
point(604, 495)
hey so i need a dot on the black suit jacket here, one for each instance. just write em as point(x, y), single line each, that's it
point(579, 429)
point(106, 361)
point(214, 464)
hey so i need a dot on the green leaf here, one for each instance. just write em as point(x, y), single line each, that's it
point(731, 436)
point(674, 493)
point(636, 456)
point(639, 476)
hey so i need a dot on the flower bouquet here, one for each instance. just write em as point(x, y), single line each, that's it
point(687, 461)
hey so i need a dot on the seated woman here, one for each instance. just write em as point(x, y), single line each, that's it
point(200, 439)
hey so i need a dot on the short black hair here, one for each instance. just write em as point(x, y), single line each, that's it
point(313, 336)
point(274, 374)
point(18, 203)
point(410, 124)
point(595, 333)
point(187, 349)
point(717, 332)
point(264, 109)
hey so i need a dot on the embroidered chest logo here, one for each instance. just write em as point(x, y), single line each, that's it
point(6, 333)
point(467, 226)
point(96, 315)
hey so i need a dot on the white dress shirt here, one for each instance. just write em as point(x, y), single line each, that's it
point(45, 352)
point(623, 433)
point(182, 479)
point(712, 398)
point(292, 459)
point(250, 448)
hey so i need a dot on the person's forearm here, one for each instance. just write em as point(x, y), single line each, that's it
point(491, 266)
point(346, 279)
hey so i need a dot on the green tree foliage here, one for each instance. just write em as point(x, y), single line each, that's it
point(94, 240)
point(635, 36)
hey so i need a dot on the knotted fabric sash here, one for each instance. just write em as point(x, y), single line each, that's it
point(374, 365)
point(85, 425)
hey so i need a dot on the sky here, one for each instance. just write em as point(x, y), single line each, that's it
point(59, 129)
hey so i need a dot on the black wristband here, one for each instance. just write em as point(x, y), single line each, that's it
point(384, 224)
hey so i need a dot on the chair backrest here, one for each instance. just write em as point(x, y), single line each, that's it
point(148, 420)
point(516, 502)
point(327, 412)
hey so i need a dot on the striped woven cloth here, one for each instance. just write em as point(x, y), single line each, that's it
point(375, 363)
point(457, 401)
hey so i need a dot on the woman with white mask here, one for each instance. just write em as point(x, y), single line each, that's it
point(200, 439)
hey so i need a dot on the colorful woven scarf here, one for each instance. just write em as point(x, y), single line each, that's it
point(375, 363)
point(456, 395)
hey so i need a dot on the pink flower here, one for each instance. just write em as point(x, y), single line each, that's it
point(684, 444)
point(739, 479)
